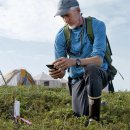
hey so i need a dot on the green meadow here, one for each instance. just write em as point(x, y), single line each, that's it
point(50, 109)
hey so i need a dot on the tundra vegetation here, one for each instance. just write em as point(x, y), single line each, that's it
point(50, 109)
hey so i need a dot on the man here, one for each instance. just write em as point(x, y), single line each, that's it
point(86, 63)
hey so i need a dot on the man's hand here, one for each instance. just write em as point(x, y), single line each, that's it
point(64, 63)
point(56, 73)
point(60, 66)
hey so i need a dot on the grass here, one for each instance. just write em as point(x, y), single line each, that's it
point(50, 109)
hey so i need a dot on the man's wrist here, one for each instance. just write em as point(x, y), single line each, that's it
point(73, 62)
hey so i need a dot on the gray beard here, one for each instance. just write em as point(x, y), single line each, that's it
point(72, 27)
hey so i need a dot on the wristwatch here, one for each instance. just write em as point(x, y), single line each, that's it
point(78, 62)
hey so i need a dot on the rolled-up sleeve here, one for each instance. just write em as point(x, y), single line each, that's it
point(60, 45)
point(99, 45)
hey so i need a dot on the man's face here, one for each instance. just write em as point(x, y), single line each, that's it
point(72, 18)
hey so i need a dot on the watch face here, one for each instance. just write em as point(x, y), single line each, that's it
point(78, 62)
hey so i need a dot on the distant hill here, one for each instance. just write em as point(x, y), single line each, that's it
point(50, 109)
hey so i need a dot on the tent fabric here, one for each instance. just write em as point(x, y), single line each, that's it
point(46, 80)
point(64, 82)
point(18, 77)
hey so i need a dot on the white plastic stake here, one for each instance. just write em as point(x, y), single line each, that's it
point(16, 109)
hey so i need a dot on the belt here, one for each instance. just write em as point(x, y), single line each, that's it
point(77, 78)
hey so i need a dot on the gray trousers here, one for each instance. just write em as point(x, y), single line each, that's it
point(90, 85)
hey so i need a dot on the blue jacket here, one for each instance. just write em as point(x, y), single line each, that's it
point(81, 46)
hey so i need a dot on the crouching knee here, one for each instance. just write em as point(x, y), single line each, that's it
point(91, 69)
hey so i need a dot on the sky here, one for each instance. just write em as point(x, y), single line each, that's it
point(28, 29)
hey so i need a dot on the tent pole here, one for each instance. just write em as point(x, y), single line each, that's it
point(3, 78)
